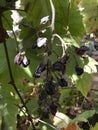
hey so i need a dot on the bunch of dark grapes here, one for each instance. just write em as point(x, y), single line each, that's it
point(50, 87)
point(53, 107)
point(62, 82)
point(60, 64)
point(48, 98)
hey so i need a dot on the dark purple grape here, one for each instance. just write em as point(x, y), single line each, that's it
point(18, 59)
point(45, 114)
point(42, 95)
point(34, 46)
point(62, 82)
point(53, 107)
point(79, 70)
point(81, 51)
point(59, 66)
point(41, 67)
point(50, 88)
point(36, 75)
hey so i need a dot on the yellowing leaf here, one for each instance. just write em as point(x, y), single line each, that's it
point(61, 120)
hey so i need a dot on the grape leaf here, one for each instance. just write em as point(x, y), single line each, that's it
point(89, 14)
point(84, 116)
point(7, 89)
point(7, 20)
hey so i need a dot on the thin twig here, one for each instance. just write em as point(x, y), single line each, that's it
point(68, 16)
point(12, 82)
point(12, 31)
point(47, 124)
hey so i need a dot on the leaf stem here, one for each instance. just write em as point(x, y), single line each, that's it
point(68, 18)
point(47, 124)
point(53, 16)
point(62, 41)
point(12, 31)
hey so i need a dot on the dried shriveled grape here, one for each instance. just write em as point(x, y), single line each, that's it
point(79, 70)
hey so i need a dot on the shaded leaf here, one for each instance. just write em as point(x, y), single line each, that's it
point(95, 127)
point(7, 20)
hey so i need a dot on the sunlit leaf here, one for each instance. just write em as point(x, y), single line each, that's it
point(84, 116)
point(89, 13)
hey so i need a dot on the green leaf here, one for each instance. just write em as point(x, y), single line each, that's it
point(91, 66)
point(5, 3)
point(10, 111)
point(75, 21)
point(2, 3)
point(84, 116)
point(89, 14)
point(64, 16)
point(7, 20)
point(83, 83)
point(71, 41)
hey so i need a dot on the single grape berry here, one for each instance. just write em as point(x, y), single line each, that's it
point(62, 82)
point(50, 88)
point(79, 70)
point(42, 94)
point(45, 114)
point(53, 107)
point(34, 46)
point(41, 67)
point(59, 66)
point(36, 75)
point(81, 51)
